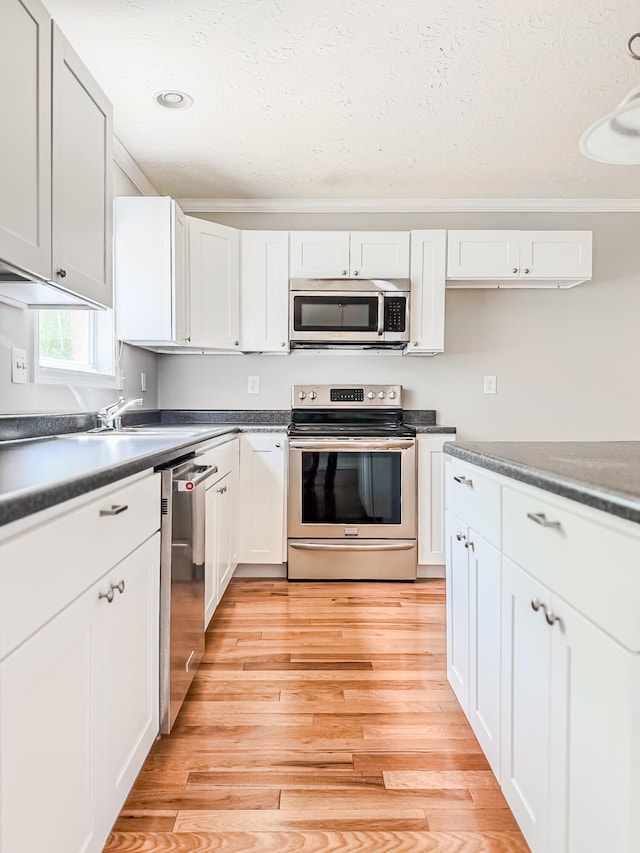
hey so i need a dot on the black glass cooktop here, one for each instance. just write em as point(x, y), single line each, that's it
point(350, 422)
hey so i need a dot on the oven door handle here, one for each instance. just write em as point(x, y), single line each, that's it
point(356, 444)
point(321, 546)
point(380, 314)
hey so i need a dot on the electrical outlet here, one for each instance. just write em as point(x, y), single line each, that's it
point(18, 365)
point(490, 385)
point(253, 385)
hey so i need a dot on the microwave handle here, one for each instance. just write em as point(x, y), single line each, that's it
point(380, 314)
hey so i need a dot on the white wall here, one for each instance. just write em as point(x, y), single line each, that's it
point(567, 361)
point(38, 397)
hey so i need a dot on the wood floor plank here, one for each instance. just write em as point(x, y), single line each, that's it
point(320, 720)
point(368, 841)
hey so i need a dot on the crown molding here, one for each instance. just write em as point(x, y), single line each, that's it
point(409, 205)
point(131, 169)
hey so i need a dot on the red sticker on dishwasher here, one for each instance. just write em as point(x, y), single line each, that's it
point(189, 486)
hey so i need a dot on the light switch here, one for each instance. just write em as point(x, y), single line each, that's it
point(18, 365)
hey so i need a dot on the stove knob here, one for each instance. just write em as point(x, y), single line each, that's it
point(371, 395)
point(381, 395)
point(312, 395)
point(301, 395)
point(392, 395)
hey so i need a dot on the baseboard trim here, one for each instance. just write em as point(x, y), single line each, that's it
point(431, 571)
point(261, 570)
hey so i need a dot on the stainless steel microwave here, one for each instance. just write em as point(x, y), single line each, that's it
point(366, 312)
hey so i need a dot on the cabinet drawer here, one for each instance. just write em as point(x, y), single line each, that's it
point(45, 567)
point(224, 457)
point(474, 498)
point(583, 555)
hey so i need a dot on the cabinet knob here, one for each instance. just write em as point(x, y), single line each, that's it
point(108, 595)
point(460, 537)
point(515, 269)
point(526, 272)
point(344, 272)
point(469, 544)
point(118, 586)
point(283, 344)
point(61, 272)
point(236, 343)
point(355, 272)
point(551, 618)
point(415, 343)
point(536, 604)
point(278, 444)
point(189, 337)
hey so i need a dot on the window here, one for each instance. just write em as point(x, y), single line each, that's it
point(80, 343)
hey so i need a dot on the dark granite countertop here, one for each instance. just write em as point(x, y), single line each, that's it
point(601, 474)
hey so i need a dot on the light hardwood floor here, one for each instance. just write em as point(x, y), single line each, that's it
point(320, 720)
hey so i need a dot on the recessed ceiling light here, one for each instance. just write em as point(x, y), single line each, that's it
point(174, 100)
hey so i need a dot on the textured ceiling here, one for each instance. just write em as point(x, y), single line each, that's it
point(363, 98)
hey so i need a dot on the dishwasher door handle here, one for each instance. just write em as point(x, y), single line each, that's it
point(202, 473)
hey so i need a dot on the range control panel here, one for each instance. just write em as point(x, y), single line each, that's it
point(346, 396)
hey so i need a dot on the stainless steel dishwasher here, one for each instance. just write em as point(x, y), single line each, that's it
point(182, 534)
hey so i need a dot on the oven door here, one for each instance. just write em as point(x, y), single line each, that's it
point(352, 488)
point(327, 316)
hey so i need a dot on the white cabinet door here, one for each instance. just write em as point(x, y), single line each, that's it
point(319, 254)
point(428, 262)
point(431, 532)
point(25, 142)
point(457, 583)
point(262, 498)
point(264, 291)
point(130, 668)
point(526, 696)
point(224, 498)
point(82, 164)
point(483, 254)
point(150, 271)
point(595, 738)
point(210, 556)
point(51, 771)
point(555, 254)
point(214, 279)
point(379, 254)
point(484, 645)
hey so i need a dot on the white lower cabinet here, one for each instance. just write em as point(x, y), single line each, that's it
point(221, 549)
point(79, 711)
point(570, 736)
point(261, 515)
point(473, 631)
point(431, 533)
point(552, 693)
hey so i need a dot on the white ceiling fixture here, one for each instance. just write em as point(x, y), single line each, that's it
point(174, 100)
point(615, 138)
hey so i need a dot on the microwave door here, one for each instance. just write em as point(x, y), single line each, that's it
point(326, 317)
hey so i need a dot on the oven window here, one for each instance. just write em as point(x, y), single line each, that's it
point(335, 313)
point(351, 487)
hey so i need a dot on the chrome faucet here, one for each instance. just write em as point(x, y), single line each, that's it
point(110, 417)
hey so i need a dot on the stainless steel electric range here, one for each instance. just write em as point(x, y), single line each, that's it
point(352, 485)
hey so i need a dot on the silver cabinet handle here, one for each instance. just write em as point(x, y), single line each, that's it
point(317, 546)
point(278, 444)
point(469, 544)
point(61, 272)
point(222, 490)
point(116, 509)
point(551, 618)
point(541, 519)
point(536, 604)
point(118, 586)
point(464, 481)
point(461, 537)
point(108, 595)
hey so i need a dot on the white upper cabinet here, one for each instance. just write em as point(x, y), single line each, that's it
point(519, 258)
point(264, 291)
point(82, 164)
point(25, 156)
point(152, 289)
point(344, 254)
point(214, 279)
point(428, 261)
